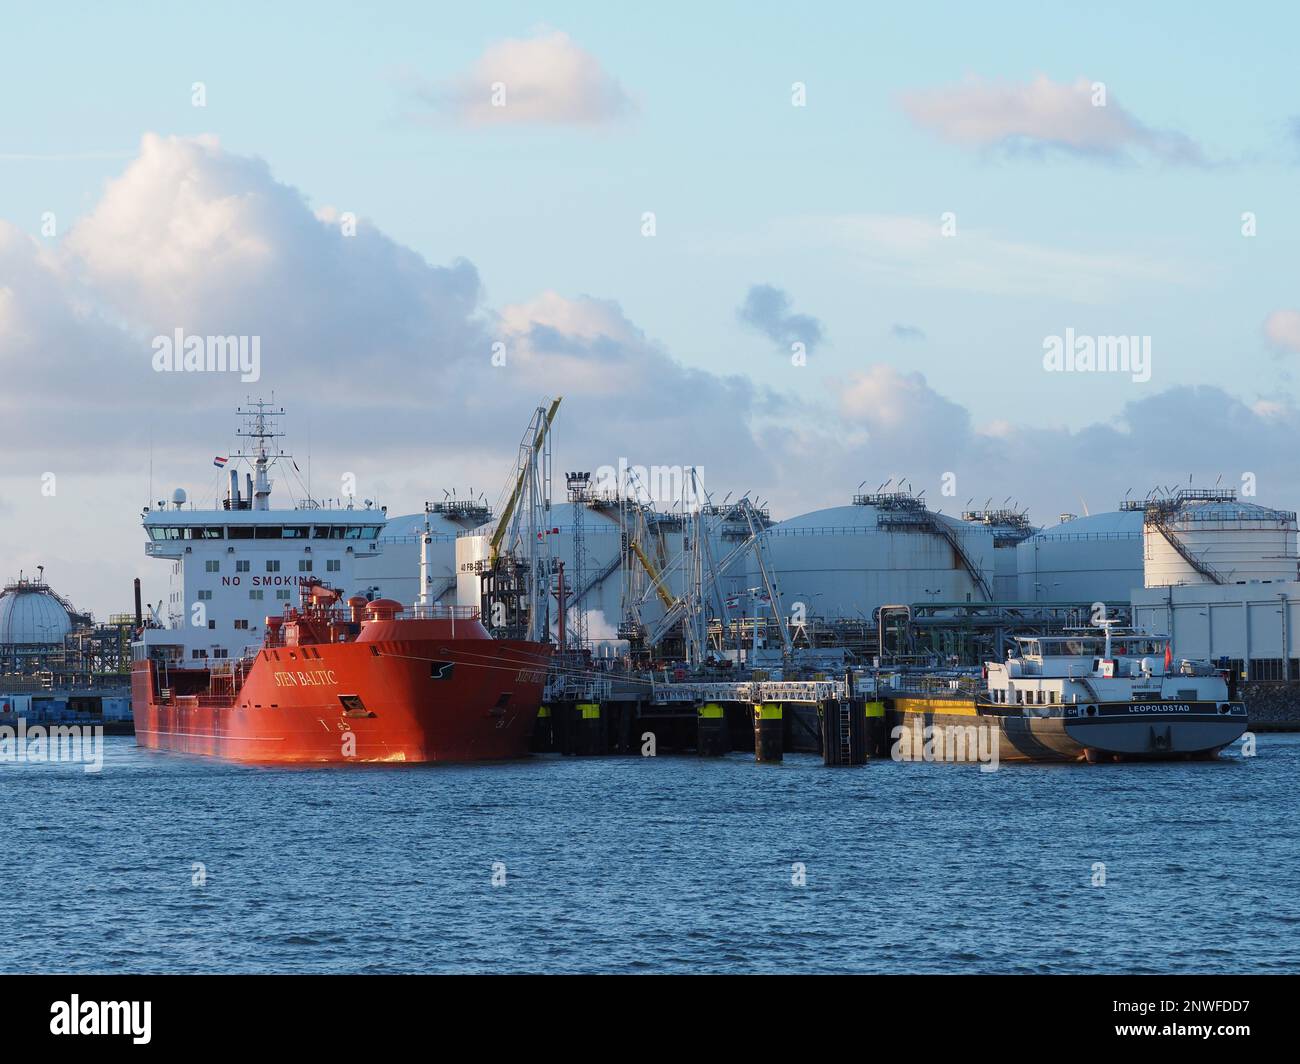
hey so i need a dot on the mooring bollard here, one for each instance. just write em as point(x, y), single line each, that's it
point(711, 739)
point(769, 731)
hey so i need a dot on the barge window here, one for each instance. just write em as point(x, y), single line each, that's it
point(241, 532)
point(269, 532)
point(295, 531)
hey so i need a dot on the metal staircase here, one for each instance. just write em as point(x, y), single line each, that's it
point(1158, 519)
point(897, 512)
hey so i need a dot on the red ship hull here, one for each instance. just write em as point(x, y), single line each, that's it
point(401, 691)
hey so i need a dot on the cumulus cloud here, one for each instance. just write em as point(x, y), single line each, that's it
point(546, 79)
point(1043, 116)
point(1282, 329)
point(767, 309)
point(894, 408)
point(191, 236)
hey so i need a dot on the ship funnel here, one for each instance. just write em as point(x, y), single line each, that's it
point(234, 489)
point(248, 483)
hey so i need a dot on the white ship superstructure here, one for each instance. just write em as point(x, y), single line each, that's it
point(240, 561)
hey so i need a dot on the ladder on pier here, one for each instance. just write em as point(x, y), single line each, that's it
point(844, 723)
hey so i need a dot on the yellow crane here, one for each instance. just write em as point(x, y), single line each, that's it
point(508, 510)
point(664, 594)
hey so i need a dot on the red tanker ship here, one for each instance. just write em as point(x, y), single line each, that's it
point(360, 683)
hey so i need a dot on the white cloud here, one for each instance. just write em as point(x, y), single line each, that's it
point(887, 402)
point(546, 79)
point(1041, 116)
point(1282, 328)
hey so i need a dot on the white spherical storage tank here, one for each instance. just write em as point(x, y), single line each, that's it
point(845, 561)
point(30, 616)
point(1084, 559)
point(1211, 537)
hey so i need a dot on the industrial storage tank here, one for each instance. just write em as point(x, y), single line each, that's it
point(1209, 536)
point(606, 591)
point(843, 562)
point(395, 572)
point(33, 621)
point(593, 586)
point(32, 615)
point(1097, 558)
point(1010, 528)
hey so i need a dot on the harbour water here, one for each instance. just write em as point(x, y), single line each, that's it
point(163, 863)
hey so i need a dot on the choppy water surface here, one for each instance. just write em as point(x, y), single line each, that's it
point(649, 865)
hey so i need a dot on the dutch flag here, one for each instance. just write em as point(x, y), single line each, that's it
point(219, 462)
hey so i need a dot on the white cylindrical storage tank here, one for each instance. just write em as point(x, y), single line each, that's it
point(1084, 559)
point(1211, 537)
point(844, 561)
point(472, 550)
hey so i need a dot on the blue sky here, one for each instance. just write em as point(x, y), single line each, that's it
point(837, 204)
point(719, 154)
